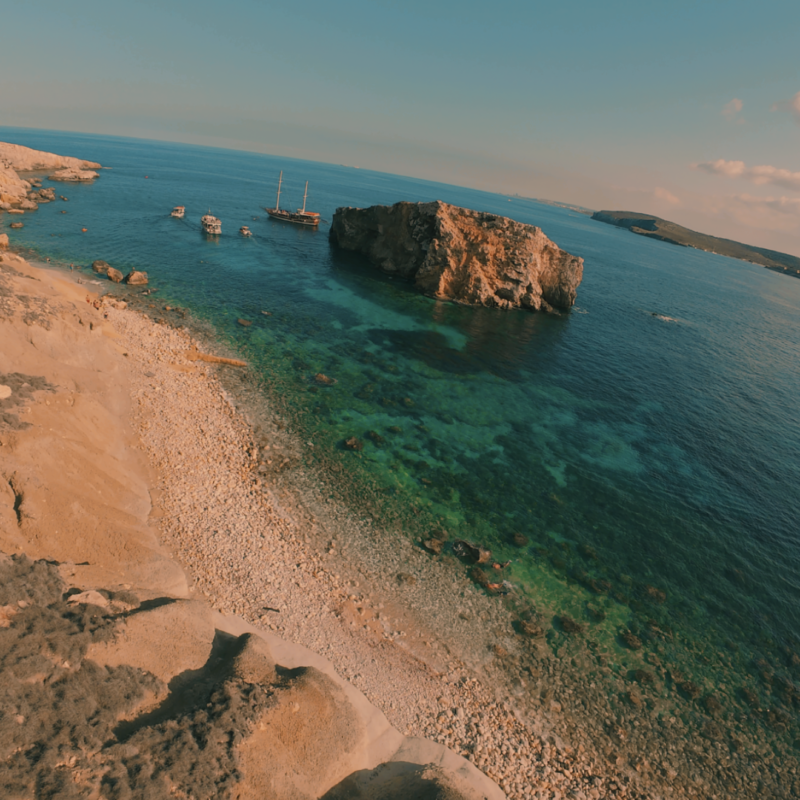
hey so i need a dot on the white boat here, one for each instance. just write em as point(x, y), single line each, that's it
point(178, 211)
point(299, 217)
point(245, 231)
point(211, 224)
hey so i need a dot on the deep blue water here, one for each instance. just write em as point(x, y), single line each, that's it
point(649, 438)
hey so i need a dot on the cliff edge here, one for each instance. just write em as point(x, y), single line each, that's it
point(470, 257)
point(17, 193)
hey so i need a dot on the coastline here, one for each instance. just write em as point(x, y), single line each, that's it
point(444, 636)
point(80, 495)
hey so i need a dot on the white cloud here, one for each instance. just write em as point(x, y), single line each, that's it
point(761, 175)
point(666, 196)
point(730, 110)
point(792, 106)
point(785, 205)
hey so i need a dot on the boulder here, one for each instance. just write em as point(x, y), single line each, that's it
point(134, 278)
point(165, 641)
point(73, 175)
point(114, 275)
point(17, 225)
point(101, 267)
point(3, 240)
point(470, 257)
point(28, 205)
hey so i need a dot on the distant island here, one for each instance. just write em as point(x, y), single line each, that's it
point(657, 228)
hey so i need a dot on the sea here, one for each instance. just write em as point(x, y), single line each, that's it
point(637, 458)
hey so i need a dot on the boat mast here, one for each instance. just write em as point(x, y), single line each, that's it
point(304, 199)
point(278, 201)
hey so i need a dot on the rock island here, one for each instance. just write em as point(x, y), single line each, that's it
point(470, 257)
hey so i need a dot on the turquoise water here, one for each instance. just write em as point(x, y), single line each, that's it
point(647, 444)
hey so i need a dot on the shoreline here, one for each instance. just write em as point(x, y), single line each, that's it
point(466, 654)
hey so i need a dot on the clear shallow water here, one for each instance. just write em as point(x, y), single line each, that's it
point(650, 438)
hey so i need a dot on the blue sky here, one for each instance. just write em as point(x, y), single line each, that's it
point(686, 110)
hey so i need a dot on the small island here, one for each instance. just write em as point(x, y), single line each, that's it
point(665, 231)
point(469, 257)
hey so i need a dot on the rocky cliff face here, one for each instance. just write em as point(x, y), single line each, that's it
point(15, 192)
point(467, 256)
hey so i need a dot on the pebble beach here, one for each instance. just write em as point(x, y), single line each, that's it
point(262, 539)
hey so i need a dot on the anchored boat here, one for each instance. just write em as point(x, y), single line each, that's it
point(299, 217)
point(211, 224)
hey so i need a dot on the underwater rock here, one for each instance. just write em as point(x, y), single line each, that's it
point(479, 576)
point(353, 443)
point(690, 689)
point(519, 540)
point(711, 704)
point(632, 641)
point(655, 594)
point(375, 437)
point(245, 323)
point(569, 625)
point(323, 380)
point(453, 253)
point(644, 677)
point(479, 554)
point(434, 545)
point(531, 629)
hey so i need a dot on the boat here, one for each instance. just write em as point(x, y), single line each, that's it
point(211, 224)
point(178, 211)
point(299, 217)
point(245, 231)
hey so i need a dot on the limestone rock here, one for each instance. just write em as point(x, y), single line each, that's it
point(101, 267)
point(25, 159)
point(17, 225)
point(399, 781)
point(114, 275)
point(73, 175)
point(470, 257)
point(166, 640)
point(134, 278)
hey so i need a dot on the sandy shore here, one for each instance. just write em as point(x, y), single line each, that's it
point(129, 434)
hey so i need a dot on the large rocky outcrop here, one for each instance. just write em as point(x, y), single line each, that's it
point(14, 158)
point(467, 256)
point(121, 694)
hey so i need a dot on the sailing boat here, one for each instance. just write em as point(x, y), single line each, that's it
point(299, 217)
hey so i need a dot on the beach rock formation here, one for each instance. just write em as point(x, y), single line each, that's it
point(136, 278)
point(100, 267)
point(470, 257)
point(114, 275)
point(74, 175)
point(14, 158)
point(152, 698)
point(3, 240)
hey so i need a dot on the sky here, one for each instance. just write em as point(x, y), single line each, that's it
point(686, 110)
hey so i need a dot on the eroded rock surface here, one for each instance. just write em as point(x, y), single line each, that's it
point(109, 694)
point(15, 191)
point(467, 256)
